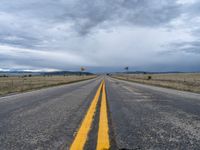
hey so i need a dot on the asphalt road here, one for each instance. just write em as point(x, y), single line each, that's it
point(44, 119)
point(139, 117)
point(147, 117)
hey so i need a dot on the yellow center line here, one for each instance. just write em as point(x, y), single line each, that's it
point(103, 142)
point(81, 137)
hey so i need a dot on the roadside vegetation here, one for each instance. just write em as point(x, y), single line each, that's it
point(180, 81)
point(23, 83)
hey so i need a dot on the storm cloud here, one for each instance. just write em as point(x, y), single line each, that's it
point(67, 34)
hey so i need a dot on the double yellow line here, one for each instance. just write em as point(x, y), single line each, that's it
point(103, 142)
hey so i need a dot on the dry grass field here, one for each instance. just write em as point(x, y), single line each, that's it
point(180, 81)
point(21, 84)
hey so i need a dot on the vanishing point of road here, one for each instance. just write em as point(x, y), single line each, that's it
point(101, 113)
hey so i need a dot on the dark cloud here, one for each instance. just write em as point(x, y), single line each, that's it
point(96, 32)
point(189, 23)
point(88, 14)
point(32, 24)
point(185, 47)
point(93, 13)
point(19, 41)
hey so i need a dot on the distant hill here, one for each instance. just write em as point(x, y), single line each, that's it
point(146, 72)
point(23, 73)
point(67, 73)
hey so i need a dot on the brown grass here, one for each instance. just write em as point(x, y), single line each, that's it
point(21, 84)
point(180, 81)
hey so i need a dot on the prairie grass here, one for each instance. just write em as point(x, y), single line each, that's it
point(180, 81)
point(20, 84)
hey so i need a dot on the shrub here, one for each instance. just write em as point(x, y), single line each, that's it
point(149, 78)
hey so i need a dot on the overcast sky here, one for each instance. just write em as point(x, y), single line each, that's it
point(151, 35)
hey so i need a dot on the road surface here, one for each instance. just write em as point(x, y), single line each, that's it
point(101, 113)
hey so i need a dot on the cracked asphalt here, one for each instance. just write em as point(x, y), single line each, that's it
point(140, 117)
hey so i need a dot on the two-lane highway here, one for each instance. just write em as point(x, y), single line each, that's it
point(101, 113)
